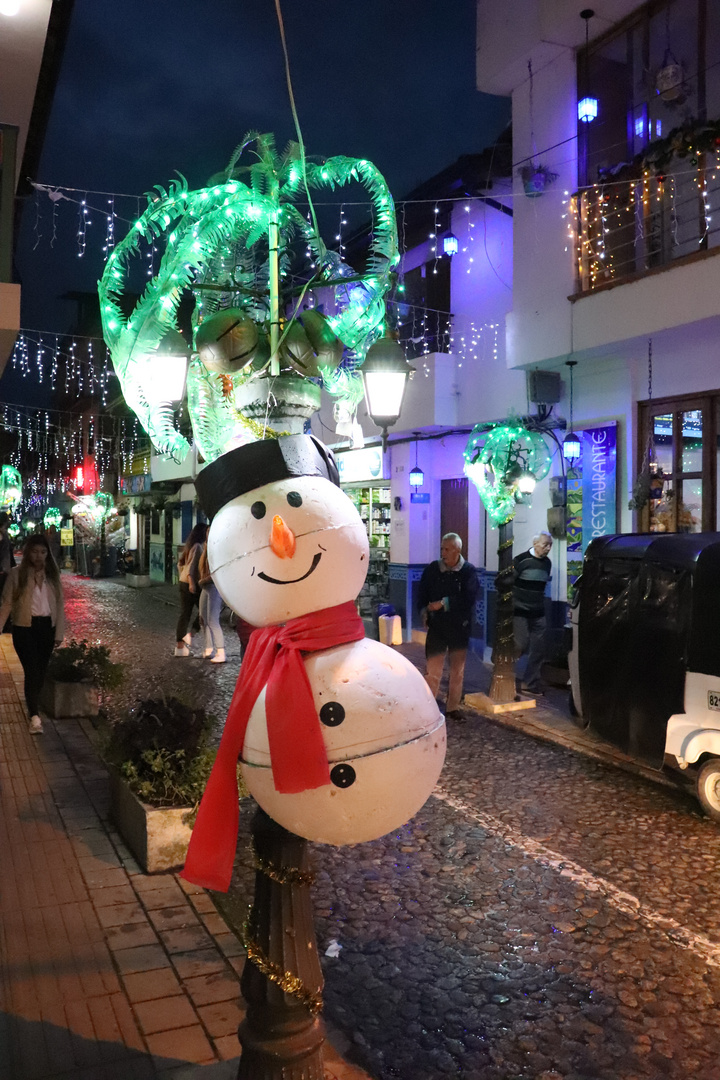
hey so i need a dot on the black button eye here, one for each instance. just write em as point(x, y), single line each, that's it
point(294, 498)
point(258, 510)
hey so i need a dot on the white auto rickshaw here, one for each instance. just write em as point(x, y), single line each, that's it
point(645, 659)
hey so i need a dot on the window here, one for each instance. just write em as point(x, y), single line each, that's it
point(681, 435)
point(654, 72)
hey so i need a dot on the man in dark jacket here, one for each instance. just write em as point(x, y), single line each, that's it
point(532, 573)
point(447, 592)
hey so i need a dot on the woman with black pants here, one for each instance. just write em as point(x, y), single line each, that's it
point(188, 569)
point(33, 595)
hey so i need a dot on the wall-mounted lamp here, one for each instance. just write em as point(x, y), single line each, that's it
point(587, 109)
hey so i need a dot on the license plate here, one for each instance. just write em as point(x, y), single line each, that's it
point(714, 699)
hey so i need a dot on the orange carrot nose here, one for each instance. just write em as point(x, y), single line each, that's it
point(282, 539)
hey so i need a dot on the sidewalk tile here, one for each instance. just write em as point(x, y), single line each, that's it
point(207, 989)
point(120, 914)
point(227, 1048)
point(185, 940)
point(144, 958)
point(186, 1044)
point(202, 902)
point(163, 1014)
point(127, 1022)
point(116, 894)
point(221, 1018)
point(159, 893)
point(215, 923)
point(229, 944)
point(202, 962)
point(130, 936)
point(173, 918)
point(146, 985)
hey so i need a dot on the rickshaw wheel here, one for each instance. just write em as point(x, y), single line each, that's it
point(708, 788)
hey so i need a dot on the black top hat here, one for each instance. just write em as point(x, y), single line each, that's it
point(248, 467)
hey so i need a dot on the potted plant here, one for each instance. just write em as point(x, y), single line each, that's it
point(77, 675)
point(536, 178)
point(159, 757)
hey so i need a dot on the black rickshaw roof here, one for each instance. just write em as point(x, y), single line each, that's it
point(649, 612)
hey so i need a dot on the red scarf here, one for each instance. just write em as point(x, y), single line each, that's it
point(297, 750)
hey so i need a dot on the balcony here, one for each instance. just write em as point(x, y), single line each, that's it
point(624, 229)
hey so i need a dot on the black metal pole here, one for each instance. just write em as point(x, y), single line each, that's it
point(502, 687)
point(282, 1034)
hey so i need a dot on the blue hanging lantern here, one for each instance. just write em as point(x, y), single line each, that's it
point(417, 476)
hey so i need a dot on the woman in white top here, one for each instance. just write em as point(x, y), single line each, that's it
point(33, 595)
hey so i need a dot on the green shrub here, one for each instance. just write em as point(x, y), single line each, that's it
point(161, 748)
point(81, 662)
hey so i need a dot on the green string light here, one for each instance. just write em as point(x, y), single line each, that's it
point(231, 222)
point(496, 458)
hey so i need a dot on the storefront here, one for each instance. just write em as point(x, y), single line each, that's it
point(364, 477)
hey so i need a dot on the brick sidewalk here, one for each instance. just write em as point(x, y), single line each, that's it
point(105, 973)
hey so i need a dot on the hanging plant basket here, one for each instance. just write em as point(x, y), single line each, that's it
point(536, 178)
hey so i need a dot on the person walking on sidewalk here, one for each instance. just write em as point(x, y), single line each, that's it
point(33, 595)
point(210, 607)
point(447, 592)
point(7, 559)
point(532, 573)
point(188, 570)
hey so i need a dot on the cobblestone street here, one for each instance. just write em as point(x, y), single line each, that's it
point(545, 915)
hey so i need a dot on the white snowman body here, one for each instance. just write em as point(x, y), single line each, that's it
point(385, 741)
point(288, 549)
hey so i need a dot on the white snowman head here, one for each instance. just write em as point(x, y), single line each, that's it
point(284, 541)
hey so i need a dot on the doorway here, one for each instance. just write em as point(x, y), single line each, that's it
point(454, 509)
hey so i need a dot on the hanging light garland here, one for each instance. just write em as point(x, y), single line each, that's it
point(258, 223)
point(505, 462)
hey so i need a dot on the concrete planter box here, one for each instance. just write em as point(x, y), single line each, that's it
point(138, 581)
point(158, 838)
point(69, 699)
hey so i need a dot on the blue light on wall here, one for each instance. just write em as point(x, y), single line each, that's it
point(450, 244)
point(587, 109)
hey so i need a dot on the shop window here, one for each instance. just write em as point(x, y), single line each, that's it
point(680, 435)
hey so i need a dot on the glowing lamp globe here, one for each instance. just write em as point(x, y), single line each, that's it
point(587, 109)
point(169, 369)
point(385, 373)
point(417, 477)
point(571, 447)
point(526, 483)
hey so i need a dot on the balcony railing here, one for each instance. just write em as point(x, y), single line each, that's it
point(622, 229)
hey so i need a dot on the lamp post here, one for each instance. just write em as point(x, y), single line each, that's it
point(385, 373)
point(504, 461)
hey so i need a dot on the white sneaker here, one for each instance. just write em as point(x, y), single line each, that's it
point(188, 638)
point(182, 650)
point(207, 653)
point(36, 727)
point(219, 657)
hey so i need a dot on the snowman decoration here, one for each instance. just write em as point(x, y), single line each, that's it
point(337, 737)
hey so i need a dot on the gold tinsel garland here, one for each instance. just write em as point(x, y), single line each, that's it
point(288, 983)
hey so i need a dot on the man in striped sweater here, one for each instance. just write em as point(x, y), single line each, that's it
point(532, 573)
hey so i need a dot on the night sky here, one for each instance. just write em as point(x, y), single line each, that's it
point(149, 86)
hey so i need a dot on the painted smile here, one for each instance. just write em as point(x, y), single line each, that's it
point(276, 581)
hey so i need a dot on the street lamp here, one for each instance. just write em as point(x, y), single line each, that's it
point(169, 369)
point(417, 476)
point(571, 447)
point(385, 373)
